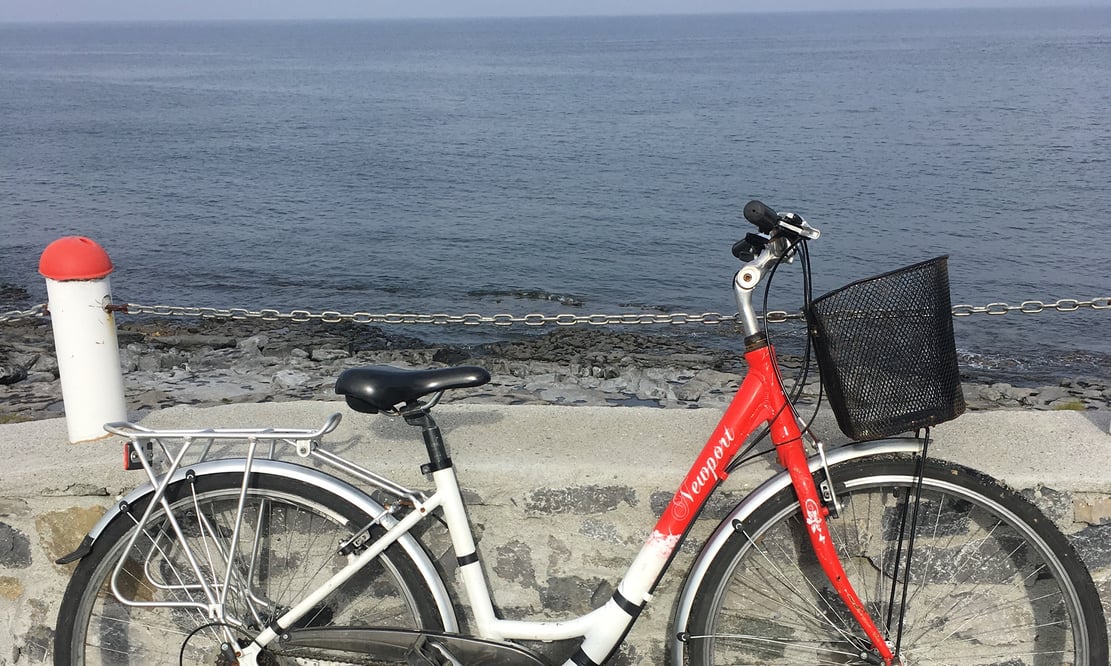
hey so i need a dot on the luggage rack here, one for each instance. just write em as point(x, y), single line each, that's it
point(139, 452)
point(162, 453)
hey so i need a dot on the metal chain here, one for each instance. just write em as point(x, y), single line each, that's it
point(1033, 307)
point(534, 319)
point(469, 319)
point(15, 315)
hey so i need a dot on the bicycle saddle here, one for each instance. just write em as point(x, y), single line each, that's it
point(381, 387)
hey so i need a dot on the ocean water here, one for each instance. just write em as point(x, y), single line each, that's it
point(573, 164)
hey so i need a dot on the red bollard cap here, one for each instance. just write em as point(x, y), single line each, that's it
point(74, 258)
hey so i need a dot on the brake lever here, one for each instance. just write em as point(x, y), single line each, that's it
point(795, 224)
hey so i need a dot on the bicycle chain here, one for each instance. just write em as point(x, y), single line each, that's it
point(533, 319)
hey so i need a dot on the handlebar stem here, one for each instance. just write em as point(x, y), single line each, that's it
point(750, 275)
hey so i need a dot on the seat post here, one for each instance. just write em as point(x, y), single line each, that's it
point(438, 457)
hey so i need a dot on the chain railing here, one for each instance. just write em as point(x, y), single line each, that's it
point(15, 315)
point(533, 319)
point(468, 319)
point(1033, 307)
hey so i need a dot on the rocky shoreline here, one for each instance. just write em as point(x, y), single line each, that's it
point(209, 362)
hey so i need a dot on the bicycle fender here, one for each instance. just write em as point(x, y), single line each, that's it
point(300, 473)
point(747, 506)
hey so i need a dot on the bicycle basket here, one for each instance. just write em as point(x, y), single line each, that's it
point(886, 352)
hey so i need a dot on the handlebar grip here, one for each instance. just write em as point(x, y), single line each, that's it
point(763, 217)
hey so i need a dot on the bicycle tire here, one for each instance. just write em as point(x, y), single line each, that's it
point(94, 628)
point(993, 581)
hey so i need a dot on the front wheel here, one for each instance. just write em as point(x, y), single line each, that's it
point(288, 537)
point(991, 580)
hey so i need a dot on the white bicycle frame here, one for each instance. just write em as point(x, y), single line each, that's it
point(602, 630)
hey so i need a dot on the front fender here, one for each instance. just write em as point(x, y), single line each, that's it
point(305, 474)
point(746, 507)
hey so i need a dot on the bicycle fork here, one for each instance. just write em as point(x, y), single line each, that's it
point(815, 512)
point(791, 454)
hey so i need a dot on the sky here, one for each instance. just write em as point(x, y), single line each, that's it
point(139, 10)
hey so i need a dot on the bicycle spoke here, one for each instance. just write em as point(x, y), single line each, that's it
point(809, 607)
point(814, 650)
point(287, 545)
point(978, 590)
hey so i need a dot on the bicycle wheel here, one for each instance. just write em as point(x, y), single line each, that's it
point(991, 580)
point(287, 545)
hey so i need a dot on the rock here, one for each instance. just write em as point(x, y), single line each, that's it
point(254, 344)
point(648, 389)
point(10, 374)
point(328, 354)
point(1068, 403)
point(186, 361)
point(540, 382)
point(450, 356)
point(15, 548)
point(45, 363)
point(571, 395)
point(288, 379)
point(1045, 395)
point(194, 341)
point(692, 390)
point(719, 379)
point(617, 384)
point(149, 361)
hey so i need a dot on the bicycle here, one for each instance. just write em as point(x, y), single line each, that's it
point(867, 553)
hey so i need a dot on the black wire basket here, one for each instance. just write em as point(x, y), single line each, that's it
point(886, 352)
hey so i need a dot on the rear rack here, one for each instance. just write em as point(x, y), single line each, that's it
point(140, 451)
point(161, 455)
point(136, 432)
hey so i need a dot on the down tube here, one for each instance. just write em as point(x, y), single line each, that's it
point(749, 409)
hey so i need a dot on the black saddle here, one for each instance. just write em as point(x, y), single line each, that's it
point(381, 388)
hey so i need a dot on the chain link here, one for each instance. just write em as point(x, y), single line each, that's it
point(467, 319)
point(1033, 307)
point(535, 319)
point(16, 315)
point(568, 319)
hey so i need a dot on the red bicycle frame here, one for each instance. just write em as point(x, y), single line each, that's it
point(759, 400)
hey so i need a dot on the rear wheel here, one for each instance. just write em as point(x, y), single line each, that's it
point(992, 581)
point(287, 545)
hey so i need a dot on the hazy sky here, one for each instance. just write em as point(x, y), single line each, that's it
point(116, 10)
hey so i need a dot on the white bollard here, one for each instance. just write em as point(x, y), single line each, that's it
point(76, 271)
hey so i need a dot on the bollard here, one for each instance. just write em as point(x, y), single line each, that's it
point(76, 271)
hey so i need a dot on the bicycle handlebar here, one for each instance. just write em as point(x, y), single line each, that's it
point(779, 237)
point(761, 215)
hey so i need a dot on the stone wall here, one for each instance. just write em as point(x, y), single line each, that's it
point(561, 498)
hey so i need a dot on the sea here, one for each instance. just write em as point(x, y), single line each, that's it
point(583, 165)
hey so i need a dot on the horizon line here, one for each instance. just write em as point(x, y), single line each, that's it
point(678, 13)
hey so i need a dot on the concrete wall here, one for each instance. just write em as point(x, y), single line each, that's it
point(562, 496)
